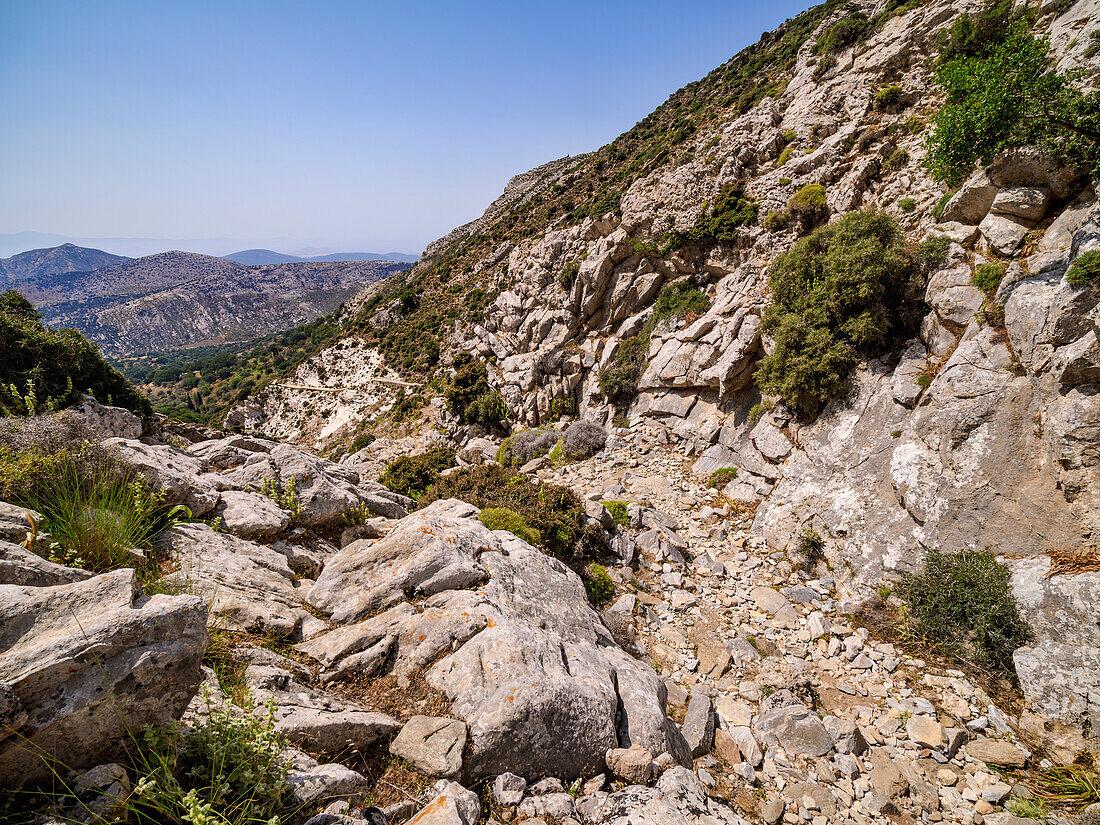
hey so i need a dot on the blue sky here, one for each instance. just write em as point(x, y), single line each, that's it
point(365, 124)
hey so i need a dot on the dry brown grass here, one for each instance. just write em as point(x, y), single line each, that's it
point(1070, 562)
point(386, 694)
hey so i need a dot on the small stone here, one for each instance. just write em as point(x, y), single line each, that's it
point(771, 810)
point(508, 789)
point(996, 752)
point(633, 765)
point(926, 732)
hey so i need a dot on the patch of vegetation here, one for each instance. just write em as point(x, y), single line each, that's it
point(1004, 90)
point(784, 156)
point(285, 495)
point(852, 29)
point(1085, 269)
point(1074, 786)
point(776, 221)
point(554, 512)
point(414, 475)
point(226, 769)
point(941, 204)
point(502, 518)
point(907, 204)
point(680, 299)
point(808, 206)
point(898, 160)
point(851, 288)
point(888, 97)
point(519, 448)
point(811, 547)
point(914, 124)
point(597, 584)
point(618, 512)
point(360, 442)
point(95, 507)
point(469, 396)
point(583, 439)
point(962, 604)
point(720, 478)
point(732, 209)
point(987, 277)
point(759, 409)
point(619, 380)
point(43, 370)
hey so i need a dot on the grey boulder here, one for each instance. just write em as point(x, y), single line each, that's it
point(83, 665)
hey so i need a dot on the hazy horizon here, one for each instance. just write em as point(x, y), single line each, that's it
point(347, 127)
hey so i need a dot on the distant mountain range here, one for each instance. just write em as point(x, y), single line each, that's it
point(13, 243)
point(175, 300)
point(255, 257)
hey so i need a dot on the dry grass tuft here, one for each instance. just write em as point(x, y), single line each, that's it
point(1070, 562)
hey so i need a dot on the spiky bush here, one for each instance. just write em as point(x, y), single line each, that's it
point(413, 475)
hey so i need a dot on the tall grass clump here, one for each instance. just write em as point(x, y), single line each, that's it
point(95, 506)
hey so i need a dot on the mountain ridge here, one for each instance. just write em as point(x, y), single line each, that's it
point(254, 257)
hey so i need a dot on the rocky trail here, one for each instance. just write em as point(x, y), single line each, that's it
point(725, 683)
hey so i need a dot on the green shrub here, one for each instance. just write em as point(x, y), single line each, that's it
point(731, 210)
point(776, 221)
point(897, 160)
point(852, 29)
point(823, 67)
point(501, 518)
point(468, 394)
point(360, 442)
point(96, 507)
point(914, 124)
point(720, 478)
point(226, 770)
point(619, 380)
point(413, 475)
point(987, 277)
point(758, 410)
point(850, 288)
point(784, 181)
point(1085, 269)
point(617, 509)
point(808, 205)
point(42, 369)
point(1003, 89)
point(597, 584)
point(679, 299)
point(487, 410)
point(784, 156)
point(888, 97)
point(569, 274)
point(962, 603)
point(907, 204)
point(554, 512)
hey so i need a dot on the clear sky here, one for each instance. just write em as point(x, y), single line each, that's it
point(372, 125)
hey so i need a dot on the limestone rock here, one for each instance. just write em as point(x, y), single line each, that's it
point(251, 515)
point(633, 765)
point(796, 729)
point(84, 664)
point(432, 745)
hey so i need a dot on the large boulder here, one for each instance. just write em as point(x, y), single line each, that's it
point(249, 587)
point(524, 660)
point(83, 666)
point(179, 475)
point(252, 515)
point(103, 421)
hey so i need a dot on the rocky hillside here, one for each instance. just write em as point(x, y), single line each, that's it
point(68, 257)
point(180, 299)
point(946, 400)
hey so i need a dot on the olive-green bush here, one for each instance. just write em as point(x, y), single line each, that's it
point(413, 475)
point(849, 289)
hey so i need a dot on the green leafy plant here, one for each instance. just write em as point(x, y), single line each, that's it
point(502, 518)
point(414, 475)
point(618, 381)
point(898, 159)
point(554, 512)
point(846, 32)
point(1003, 90)
point(469, 396)
point(361, 441)
point(784, 156)
point(759, 409)
point(987, 277)
point(597, 584)
point(808, 206)
point(618, 512)
point(680, 299)
point(850, 288)
point(283, 494)
point(962, 604)
point(568, 275)
point(907, 204)
point(721, 477)
point(1085, 269)
point(227, 770)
